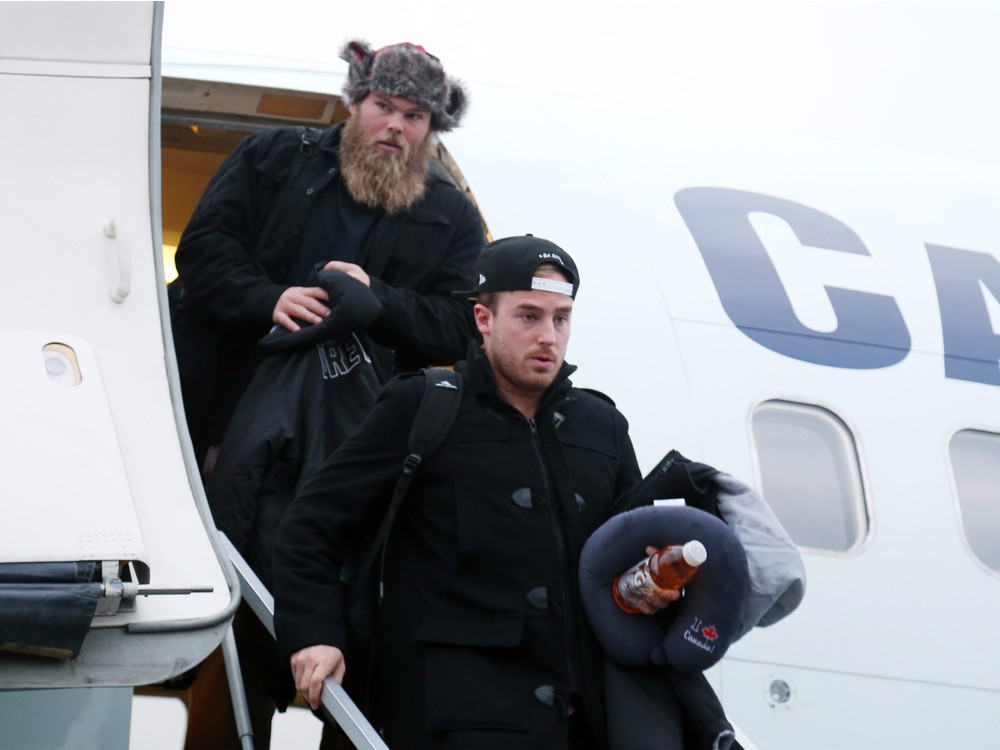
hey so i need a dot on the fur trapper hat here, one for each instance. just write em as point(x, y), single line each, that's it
point(405, 70)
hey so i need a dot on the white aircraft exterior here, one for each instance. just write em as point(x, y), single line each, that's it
point(819, 316)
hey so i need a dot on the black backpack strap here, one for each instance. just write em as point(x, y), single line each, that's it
point(437, 411)
point(442, 395)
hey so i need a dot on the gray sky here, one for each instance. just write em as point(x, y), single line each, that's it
point(915, 75)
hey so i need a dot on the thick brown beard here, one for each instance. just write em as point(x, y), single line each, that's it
point(374, 178)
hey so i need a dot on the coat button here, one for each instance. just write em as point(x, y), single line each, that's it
point(522, 498)
point(539, 598)
point(546, 695)
point(309, 191)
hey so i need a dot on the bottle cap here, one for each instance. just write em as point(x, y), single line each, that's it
point(694, 553)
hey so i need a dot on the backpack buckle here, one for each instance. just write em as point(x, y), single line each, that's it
point(411, 463)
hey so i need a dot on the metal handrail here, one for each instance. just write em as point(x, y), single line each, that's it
point(333, 697)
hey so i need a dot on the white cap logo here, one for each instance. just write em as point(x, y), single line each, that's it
point(551, 256)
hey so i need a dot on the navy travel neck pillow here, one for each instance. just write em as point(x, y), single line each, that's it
point(691, 634)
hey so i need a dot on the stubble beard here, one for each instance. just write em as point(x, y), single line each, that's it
point(377, 179)
point(512, 366)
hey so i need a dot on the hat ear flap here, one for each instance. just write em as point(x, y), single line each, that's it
point(454, 106)
point(359, 53)
point(360, 57)
point(456, 100)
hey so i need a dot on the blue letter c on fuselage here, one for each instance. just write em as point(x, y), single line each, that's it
point(870, 329)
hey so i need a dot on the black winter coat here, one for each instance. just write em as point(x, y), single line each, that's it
point(481, 637)
point(299, 407)
point(234, 258)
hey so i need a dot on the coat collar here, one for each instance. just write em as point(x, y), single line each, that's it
point(329, 141)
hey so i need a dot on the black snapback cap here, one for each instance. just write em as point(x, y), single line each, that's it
point(509, 265)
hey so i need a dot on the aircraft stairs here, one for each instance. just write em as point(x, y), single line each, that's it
point(334, 699)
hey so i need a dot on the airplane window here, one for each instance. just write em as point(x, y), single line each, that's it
point(975, 461)
point(810, 474)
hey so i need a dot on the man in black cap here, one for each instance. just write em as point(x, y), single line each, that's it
point(480, 639)
point(290, 222)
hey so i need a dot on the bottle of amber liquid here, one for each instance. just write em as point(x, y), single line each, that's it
point(677, 565)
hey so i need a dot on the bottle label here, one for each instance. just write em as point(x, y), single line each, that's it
point(636, 584)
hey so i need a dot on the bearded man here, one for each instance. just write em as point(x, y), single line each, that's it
point(361, 197)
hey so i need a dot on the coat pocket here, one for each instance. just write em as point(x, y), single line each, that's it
point(475, 673)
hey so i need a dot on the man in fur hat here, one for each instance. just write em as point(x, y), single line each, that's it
point(362, 197)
